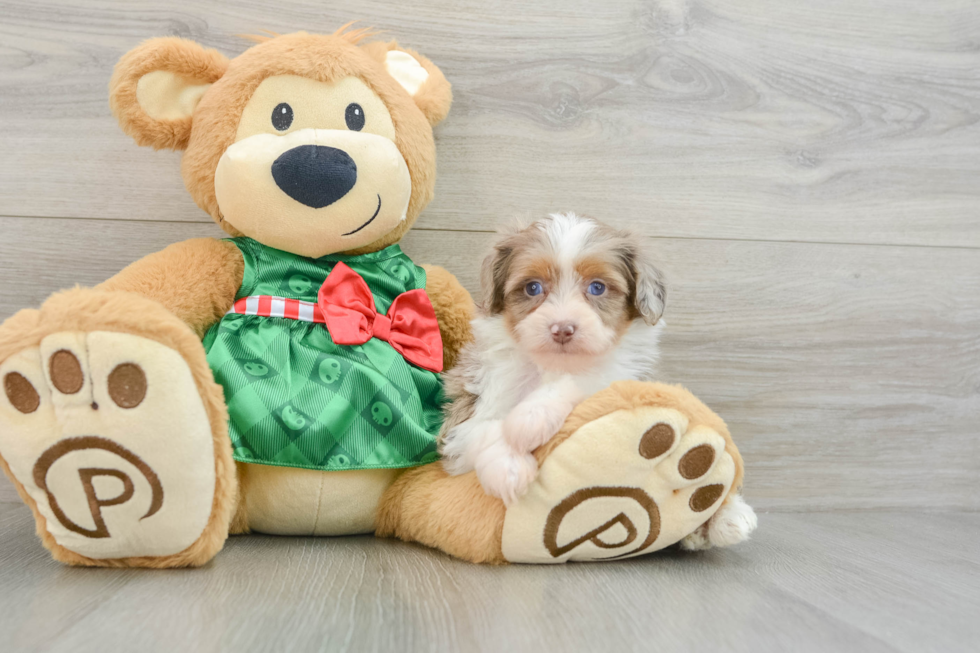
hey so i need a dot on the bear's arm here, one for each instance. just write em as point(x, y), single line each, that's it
point(454, 310)
point(196, 280)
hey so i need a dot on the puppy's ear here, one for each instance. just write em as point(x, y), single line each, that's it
point(420, 78)
point(156, 87)
point(648, 294)
point(493, 276)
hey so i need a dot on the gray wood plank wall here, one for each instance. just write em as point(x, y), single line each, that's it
point(808, 174)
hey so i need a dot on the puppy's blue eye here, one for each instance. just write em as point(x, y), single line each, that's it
point(533, 288)
point(597, 288)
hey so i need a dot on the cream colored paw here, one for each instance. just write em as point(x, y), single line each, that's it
point(697, 541)
point(505, 473)
point(529, 425)
point(733, 523)
point(631, 482)
point(109, 436)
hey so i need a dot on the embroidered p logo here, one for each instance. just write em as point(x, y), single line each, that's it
point(633, 506)
point(87, 474)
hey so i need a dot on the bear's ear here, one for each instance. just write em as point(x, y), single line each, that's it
point(418, 76)
point(156, 87)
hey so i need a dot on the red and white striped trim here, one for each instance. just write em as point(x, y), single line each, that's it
point(269, 306)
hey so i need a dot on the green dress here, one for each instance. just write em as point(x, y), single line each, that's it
point(297, 399)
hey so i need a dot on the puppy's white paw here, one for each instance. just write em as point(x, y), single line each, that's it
point(466, 442)
point(504, 473)
point(733, 523)
point(697, 541)
point(530, 425)
point(457, 450)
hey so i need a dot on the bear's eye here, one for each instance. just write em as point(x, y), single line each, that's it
point(354, 117)
point(282, 116)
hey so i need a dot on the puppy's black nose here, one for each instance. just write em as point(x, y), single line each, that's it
point(315, 175)
point(562, 332)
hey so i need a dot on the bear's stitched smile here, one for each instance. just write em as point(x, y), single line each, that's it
point(376, 212)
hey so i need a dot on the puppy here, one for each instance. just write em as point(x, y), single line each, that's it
point(571, 305)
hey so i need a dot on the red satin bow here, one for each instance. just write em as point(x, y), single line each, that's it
point(410, 325)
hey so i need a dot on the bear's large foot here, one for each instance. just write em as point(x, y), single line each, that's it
point(636, 468)
point(109, 440)
point(632, 481)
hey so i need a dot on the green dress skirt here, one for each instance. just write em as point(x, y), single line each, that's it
point(297, 399)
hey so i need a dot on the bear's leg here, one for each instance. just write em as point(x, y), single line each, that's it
point(451, 513)
point(636, 468)
point(114, 432)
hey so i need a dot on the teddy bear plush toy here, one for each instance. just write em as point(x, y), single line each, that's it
point(286, 380)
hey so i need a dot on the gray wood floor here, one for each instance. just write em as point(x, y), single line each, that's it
point(809, 176)
point(817, 582)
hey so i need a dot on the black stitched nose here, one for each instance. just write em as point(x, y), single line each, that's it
point(315, 175)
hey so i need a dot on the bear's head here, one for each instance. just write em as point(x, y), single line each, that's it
point(312, 144)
